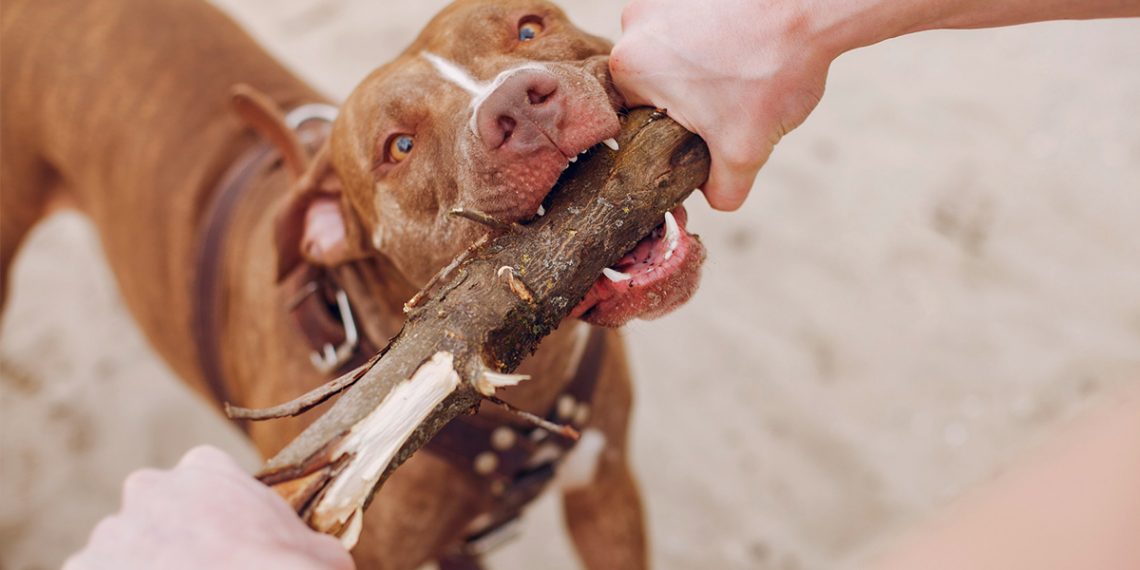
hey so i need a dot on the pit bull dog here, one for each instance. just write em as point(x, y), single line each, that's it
point(262, 261)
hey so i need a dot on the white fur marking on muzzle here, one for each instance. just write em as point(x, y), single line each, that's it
point(478, 90)
point(452, 72)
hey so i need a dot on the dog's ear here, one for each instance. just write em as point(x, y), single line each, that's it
point(313, 223)
point(262, 114)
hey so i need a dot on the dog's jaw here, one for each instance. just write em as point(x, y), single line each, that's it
point(495, 127)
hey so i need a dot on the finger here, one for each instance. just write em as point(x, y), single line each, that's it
point(99, 551)
point(330, 552)
point(633, 13)
point(210, 458)
point(726, 189)
point(139, 489)
point(623, 66)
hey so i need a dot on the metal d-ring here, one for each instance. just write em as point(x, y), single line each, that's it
point(310, 112)
point(332, 358)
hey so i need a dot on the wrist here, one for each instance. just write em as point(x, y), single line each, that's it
point(844, 25)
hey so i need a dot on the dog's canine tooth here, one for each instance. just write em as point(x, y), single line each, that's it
point(541, 211)
point(612, 143)
point(672, 234)
point(615, 275)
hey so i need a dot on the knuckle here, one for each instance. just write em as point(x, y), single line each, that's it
point(624, 56)
point(106, 530)
point(204, 455)
point(140, 484)
point(742, 156)
point(141, 479)
point(632, 13)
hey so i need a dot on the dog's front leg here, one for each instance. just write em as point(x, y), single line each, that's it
point(605, 518)
point(600, 498)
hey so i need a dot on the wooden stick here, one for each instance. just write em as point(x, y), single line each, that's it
point(437, 367)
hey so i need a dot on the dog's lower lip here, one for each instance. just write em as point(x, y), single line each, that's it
point(658, 274)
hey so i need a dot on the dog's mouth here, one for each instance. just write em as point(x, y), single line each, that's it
point(658, 275)
point(662, 271)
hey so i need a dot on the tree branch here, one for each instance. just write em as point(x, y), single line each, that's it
point(461, 341)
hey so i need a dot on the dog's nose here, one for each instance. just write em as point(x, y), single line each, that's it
point(523, 113)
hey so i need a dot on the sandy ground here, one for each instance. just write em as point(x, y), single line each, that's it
point(935, 272)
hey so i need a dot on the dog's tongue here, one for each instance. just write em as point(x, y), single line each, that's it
point(659, 274)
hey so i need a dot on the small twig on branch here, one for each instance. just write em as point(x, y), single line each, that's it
point(563, 430)
point(305, 402)
point(485, 219)
point(443, 274)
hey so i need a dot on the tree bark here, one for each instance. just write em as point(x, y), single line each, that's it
point(484, 316)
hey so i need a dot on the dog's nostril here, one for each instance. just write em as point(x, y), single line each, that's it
point(540, 96)
point(507, 125)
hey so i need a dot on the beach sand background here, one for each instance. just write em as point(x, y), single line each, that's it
point(934, 273)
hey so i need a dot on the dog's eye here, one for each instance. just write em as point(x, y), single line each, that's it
point(400, 146)
point(529, 28)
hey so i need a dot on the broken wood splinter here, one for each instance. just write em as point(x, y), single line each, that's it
point(515, 282)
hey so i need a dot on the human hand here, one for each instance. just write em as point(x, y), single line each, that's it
point(205, 513)
point(739, 73)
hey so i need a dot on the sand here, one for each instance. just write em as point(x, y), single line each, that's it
point(934, 273)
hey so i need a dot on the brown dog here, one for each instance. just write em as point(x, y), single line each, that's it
point(238, 259)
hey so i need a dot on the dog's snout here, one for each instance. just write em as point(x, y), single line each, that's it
point(524, 111)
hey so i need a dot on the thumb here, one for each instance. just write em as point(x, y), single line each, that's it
point(727, 187)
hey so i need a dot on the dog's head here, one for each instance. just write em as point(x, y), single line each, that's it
point(484, 111)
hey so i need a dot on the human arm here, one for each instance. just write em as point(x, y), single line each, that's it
point(743, 73)
point(1076, 504)
point(205, 513)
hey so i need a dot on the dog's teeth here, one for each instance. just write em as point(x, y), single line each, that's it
point(672, 234)
point(573, 159)
point(612, 144)
point(615, 275)
point(541, 211)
